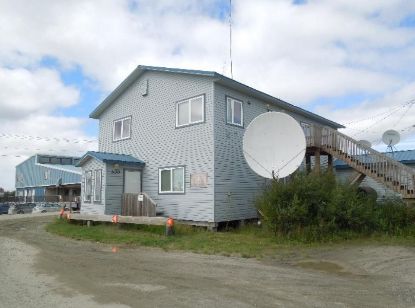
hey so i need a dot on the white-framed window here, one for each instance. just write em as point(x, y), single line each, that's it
point(306, 128)
point(234, 112)
point(121, 129)
point(190, 111)
point(88, 186)
point(171, 180)
point(98, 185)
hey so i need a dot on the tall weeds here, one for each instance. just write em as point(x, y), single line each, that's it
point(316, 206)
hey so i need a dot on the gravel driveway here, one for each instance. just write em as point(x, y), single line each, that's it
point(38, 269)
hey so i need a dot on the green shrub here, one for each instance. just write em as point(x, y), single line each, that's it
point(393, 216)
point(316, 207)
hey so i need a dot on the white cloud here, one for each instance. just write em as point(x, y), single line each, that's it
point(300, 53)
point(58, 136)
point(369, 120)
point(39, 91)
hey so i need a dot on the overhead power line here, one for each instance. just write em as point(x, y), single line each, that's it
point(391, 110)
point(230, 36)
point(56, 152)
point(410, 103)
point(405, 113)
point(38, 138)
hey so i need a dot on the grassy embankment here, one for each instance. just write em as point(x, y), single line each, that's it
point(249, 241)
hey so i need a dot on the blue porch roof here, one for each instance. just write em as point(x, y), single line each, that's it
point(112, 158)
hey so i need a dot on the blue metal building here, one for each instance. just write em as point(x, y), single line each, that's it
point(48, 178)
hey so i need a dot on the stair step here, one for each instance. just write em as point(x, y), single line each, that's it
point(393, 175)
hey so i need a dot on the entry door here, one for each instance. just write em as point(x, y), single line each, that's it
point(132, 181)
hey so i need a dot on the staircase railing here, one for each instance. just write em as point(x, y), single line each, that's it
point(392, 173)
point(131, 206)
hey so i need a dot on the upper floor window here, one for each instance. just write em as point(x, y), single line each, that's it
point(235, 113)
point(190, 111)
point(122, 129)
point(306, 128)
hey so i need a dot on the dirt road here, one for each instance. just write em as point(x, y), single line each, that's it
point(38, 269)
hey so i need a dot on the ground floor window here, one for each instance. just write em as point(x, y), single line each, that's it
point(171, 180)
point(88, 186)
point(98, 185)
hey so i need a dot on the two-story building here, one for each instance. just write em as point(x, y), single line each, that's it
point(48, 178)
point(176, 135)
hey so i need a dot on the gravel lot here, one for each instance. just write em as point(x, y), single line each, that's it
point(38, 269)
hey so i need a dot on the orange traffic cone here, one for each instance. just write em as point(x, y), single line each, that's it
point(169, 226)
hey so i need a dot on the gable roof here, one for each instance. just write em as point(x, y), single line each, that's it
point(405, 157)
point(218, 78)
point(112, 158)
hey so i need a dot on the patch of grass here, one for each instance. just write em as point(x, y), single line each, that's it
point(249, 241)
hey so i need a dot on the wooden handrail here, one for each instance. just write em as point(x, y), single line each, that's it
point(149, 199)
point(132, 207)
point(366, 160)
point(367, 150)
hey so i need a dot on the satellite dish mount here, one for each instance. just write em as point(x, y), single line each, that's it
point(391, 138)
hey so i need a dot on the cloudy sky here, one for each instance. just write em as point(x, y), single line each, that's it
point(352, 61)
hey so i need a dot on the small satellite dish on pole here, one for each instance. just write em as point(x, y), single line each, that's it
point(274, 145)
point(391, 137)
point(365, 143)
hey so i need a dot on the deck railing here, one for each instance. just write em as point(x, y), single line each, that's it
point(40, 199)
point(131, 206)
point(392, 173)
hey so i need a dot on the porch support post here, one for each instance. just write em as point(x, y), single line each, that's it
point(317, 164)
point(330, 163)
point(308, 163)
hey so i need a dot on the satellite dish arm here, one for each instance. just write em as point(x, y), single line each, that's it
point(275, 178)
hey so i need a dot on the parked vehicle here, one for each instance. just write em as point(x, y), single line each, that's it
point(21, 208)
point(46, 207)
point(4, 208)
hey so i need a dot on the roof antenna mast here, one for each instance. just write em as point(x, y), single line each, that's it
point(230, 35)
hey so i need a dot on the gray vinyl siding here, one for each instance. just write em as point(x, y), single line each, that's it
point(114, 190)
point(156, 140)
point(93, 207)
point(236, 185)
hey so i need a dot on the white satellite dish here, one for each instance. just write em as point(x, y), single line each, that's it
point(274, 145)
point(365, 143)
point(391, 137)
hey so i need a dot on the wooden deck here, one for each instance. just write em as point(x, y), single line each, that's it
point(138, 220)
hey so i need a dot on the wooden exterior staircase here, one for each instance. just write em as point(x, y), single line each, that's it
point(367, 161)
